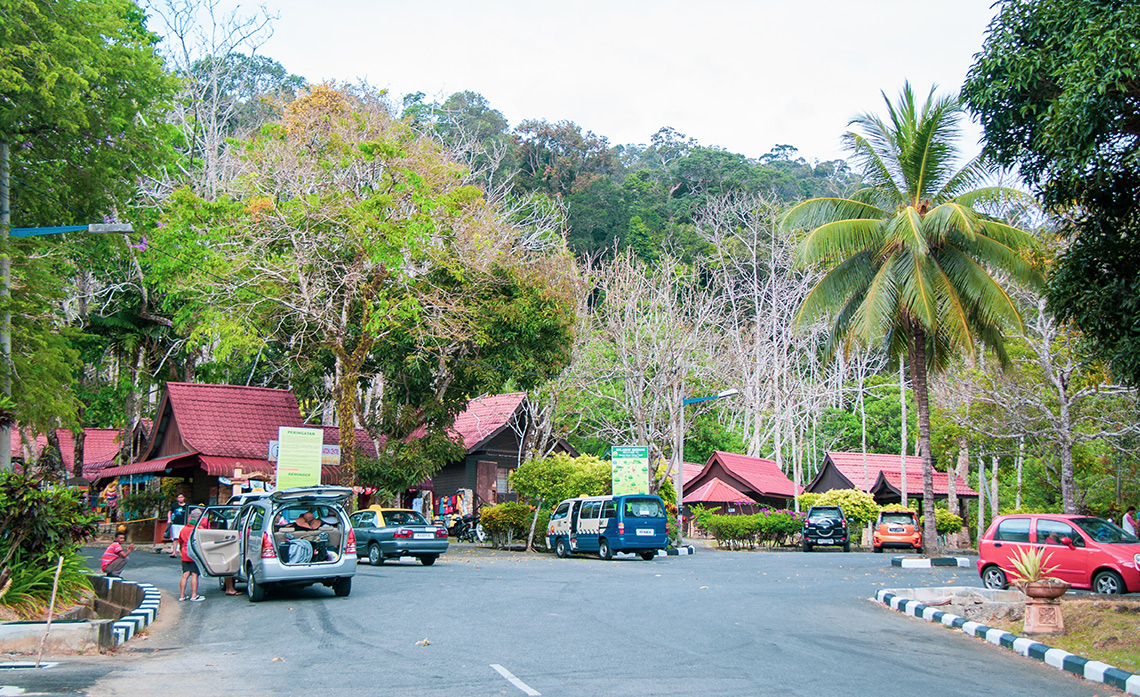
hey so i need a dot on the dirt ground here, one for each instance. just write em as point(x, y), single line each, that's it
point(1100, 630)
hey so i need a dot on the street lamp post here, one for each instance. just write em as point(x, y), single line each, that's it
point(679, 447)
point(6, 285)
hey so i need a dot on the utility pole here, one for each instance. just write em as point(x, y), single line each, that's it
point(5, 294)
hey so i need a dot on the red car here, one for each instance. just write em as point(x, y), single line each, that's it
point(1090, 553)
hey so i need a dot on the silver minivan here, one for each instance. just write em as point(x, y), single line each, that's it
point(292, 537)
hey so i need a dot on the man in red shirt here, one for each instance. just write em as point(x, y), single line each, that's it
point(189, 568)
point(115, 556)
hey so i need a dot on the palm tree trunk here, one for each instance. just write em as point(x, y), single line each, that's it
point(922, 401)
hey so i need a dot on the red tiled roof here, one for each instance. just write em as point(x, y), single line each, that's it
point(850, 465)
point(157, 465)
point(231, 420)
point(364, 445)
point(485, 416)
point(716, 491)
point(914, 483)
point(100, 446)
point(690, 471)
point(38, 444)
point(762, 475)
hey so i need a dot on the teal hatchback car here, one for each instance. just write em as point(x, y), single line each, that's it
point(631, 523)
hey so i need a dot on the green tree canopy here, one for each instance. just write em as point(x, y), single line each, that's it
point(908, 259)
point(1057, 90)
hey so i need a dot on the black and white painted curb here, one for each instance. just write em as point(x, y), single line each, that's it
point(141, 616)
point(1063, 660)
point(919, 563)
point(678, 551)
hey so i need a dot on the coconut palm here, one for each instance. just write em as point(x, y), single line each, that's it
point(910, 259)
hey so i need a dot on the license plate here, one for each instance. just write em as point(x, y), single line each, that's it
point(825, 542)
point(644, 532)
point(896, 530)
point(422, 536)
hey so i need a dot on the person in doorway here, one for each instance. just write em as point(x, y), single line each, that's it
point(176, 519)
point(189, 567)
point(115, 556)
point(1129, 521)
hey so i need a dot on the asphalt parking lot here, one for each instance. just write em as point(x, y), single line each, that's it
point(485, 622)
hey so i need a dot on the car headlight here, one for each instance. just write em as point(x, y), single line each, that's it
point(1136, 558)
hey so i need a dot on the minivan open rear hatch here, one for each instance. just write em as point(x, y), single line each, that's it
point(312, 494)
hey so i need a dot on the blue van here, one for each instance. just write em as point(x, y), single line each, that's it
point(633, 523)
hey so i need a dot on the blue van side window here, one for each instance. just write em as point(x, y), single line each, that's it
point(609, 510)
point(643, 508)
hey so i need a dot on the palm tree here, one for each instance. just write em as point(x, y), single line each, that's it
point(910, 257)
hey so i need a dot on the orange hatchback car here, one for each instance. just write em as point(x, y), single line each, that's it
point(897, 529)
point(1090, 553)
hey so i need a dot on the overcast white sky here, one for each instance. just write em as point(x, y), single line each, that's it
point(741, 75)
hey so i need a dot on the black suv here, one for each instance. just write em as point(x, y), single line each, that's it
point(826, 525)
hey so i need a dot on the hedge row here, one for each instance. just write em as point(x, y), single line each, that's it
point(768, 527)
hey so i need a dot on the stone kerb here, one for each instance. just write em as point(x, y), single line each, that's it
point(897, 599)
point(120, 609)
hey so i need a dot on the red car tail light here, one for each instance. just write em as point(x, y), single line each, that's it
point(268, 551)
point(402, 534)
point(621, 528)
point(350, 546)
point(441, 533)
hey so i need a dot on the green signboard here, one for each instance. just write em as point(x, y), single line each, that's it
point(299, 456)
point(630, 466)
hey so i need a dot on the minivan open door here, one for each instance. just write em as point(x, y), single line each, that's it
point(214, 544)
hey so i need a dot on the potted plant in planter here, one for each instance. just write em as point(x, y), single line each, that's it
point(1033, 577)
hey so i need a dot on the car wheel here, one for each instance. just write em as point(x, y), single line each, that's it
point(877, 550)
point(375, 558)
point(253, 589)
point(428, 559)
point(1108, 582)
point(342, 587)
point(807, 546)
point(994, 578)
point(604, 550)
point(222, 583)
point(561, 550)
point(847, 546)
point(648, 556)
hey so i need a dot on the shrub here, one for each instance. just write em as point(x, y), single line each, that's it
point(143, 503)
point(945, 522)
point(898, 507)
point(37, 526)
point(559, 477)
point(769, 527)
point(858, 506)
point(808, 499)
point(506, 522)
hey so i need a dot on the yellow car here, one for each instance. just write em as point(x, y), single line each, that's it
point(898, 529)
point(391, 533)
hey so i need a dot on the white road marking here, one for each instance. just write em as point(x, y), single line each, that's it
point(515, 681)
point(9, 690)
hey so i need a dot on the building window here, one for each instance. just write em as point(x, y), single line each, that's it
point(503, 485)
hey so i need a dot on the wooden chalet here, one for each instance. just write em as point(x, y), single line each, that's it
point(492, 430)
point(204, 433)
point(882, 478)
point(743, 479)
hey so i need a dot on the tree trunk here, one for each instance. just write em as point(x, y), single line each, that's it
point(903, 437)
point(922, 401)
point(994, 487)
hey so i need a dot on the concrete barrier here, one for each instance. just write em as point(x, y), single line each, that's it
point(120, 609)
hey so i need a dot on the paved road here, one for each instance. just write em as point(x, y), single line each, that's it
point(717, 623)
